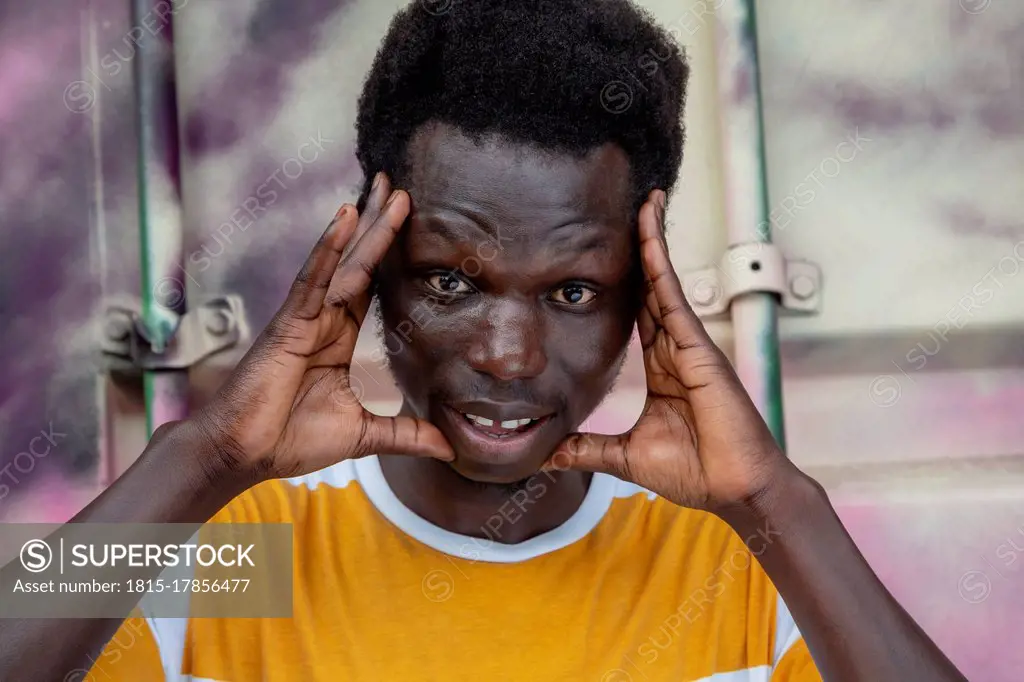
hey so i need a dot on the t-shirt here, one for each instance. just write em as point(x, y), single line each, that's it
point(630, 588)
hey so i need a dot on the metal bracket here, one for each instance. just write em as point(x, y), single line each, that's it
point(207, 329)
point(754, 267)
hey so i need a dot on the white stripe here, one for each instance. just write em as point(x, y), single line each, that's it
point(337, 476)
point(786, 632)
point(761, 673)
point(627, 489)
point(368, 473)
point(169, 634)
point(595, 504)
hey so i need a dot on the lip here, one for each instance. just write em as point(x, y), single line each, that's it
point(502, 449)
point(500, 412)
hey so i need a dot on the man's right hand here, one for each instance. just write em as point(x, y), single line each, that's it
point(288, 408)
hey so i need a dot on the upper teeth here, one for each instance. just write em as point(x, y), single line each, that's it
point(507, 424)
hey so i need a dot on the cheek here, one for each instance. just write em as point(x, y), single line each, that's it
point(417, 333)
point(590, 351)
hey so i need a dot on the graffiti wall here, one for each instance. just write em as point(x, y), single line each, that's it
point(894, 137)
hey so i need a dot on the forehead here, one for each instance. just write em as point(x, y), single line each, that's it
point(516, 184)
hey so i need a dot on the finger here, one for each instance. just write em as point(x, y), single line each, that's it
point(405, 436)
point(649, 213)
point(379, 193)
point(349, 287)
point(265, 368)
point(593, 452)
point(646, 327)
point(670, 308)
point(306, 296)
point(651, 221)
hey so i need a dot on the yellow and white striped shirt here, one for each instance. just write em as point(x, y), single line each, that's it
point(630, 588)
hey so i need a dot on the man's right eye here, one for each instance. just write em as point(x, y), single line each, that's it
point(448, 283)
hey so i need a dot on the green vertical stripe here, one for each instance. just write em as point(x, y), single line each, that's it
point(772, 367)
point(149, 312)
point(768, 346)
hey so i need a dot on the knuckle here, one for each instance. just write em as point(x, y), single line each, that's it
point(612, 462)
point(670, 309)
point(275, 334)
point(694, 346)
point(304, 277)
point(364, 266)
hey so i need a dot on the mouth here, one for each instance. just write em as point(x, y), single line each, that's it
point(508, 428)
point(499, 432)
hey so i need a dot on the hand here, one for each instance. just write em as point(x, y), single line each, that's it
point(288, 408)
point(700, 441)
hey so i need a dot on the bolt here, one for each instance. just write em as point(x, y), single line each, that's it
point(705, 291)
point(802, 287)
point(219, 323)
point(118, 327)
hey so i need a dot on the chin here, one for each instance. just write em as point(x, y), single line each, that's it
point(478, 470)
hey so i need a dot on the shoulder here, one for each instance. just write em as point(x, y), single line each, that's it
point(720, 569)
point(707, 573)
point(654, 521)
point(288, 500)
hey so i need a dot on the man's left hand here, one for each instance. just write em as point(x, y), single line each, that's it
point(700, 441)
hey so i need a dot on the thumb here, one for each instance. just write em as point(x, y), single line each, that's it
point(405, 436)
point(593, 452)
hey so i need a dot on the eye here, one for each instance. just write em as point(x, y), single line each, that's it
point(448, 283)
point(573, 294)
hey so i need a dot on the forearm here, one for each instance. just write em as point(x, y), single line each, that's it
point(855, 629)
point(178, 478)
point(174, 481)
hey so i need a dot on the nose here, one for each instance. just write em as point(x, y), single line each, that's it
point(508, 343)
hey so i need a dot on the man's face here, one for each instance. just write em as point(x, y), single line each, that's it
point(510, 296)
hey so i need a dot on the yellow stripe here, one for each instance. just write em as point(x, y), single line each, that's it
point(130, 656)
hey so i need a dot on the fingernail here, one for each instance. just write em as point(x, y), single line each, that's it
point(376, 180)
point(391, 199)
point(661, 199)
point(338, 216)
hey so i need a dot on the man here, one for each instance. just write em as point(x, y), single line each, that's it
point(512, 231)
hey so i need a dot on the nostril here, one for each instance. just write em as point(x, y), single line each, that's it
point(508, 368)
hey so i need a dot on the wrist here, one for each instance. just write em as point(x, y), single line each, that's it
point(225, 456)
point(215, 471)
point(789, 498)
point(176, 479)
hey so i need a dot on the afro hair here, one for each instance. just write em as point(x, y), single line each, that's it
point(562, 75)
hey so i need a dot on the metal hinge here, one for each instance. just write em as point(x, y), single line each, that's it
point(209, 328)
point(754, 267)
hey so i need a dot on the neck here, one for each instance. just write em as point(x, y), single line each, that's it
point(500, 513)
